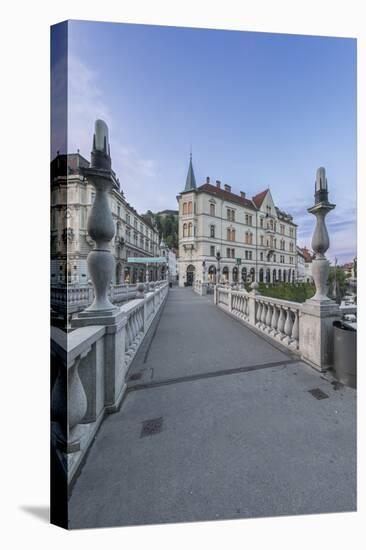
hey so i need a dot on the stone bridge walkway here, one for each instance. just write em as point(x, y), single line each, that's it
point(217, 423)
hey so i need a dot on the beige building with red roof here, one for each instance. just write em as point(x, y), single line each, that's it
point(228, 236)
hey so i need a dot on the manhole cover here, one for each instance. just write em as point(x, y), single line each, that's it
point(136, 376)
point(318, 393)
point(152, 426)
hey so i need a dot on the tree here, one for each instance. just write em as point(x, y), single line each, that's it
point(341, 281)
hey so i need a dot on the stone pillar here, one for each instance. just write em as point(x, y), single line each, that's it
point(101, 265)
point(319, 312)
point(100, 225)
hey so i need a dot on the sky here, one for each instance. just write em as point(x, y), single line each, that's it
point(258, 110)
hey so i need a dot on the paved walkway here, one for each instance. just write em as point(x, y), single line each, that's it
point(236, 433)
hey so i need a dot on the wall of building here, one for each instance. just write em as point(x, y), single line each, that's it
point(71, 201)
point(240, 237)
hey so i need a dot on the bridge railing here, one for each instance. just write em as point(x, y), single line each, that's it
point(90, 367)
point(278, 319)
point(199, 287)
point(75, 298)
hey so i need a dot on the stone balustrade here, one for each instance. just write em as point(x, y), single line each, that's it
point(200, 288)
point(75, 298)
point(278, 319)
point(90, 366)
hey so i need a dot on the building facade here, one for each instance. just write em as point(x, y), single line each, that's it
point(224, 236)
point(72, 197)
point(171, 261)
point(304, 260)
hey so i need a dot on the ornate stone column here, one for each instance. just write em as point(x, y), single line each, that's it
point(320, 240)
point(101, 266)
point(318, 313)
point(100, 224)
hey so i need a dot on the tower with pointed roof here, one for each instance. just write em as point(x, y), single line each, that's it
point(191, 180)
point(228, 236)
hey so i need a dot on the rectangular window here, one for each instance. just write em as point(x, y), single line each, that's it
point(261, 222)
point(212, 251)
point(212, 231)
point(262, 240)
point(228, 252)
point(212, 209)
point(261, 256)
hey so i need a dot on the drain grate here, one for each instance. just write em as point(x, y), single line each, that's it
point(318, 393)
point(152, 426)
point(136, 376)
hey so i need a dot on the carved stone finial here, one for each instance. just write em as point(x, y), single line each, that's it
point(320, 240)
point(100, 224)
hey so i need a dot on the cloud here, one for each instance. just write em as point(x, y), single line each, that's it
point(87, 102)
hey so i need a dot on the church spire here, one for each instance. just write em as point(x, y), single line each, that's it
point(191, 180)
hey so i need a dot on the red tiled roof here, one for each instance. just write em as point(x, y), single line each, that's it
point(259, 198)
point(226, 195)
point(306, 253)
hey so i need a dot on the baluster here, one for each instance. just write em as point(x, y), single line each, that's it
point(281, 323)
point(288, 327)
point(263, 316)
point(268, 317)
point(295, 330)
point(258, 313)
point(274, 322)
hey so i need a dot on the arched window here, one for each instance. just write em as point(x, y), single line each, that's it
point(244, 274)
point(184, 208)
point(235, 274)
point(261, 275)
point(279, 275)
point(184, 230)
point(190, 229)
point(274, 276)
point(212, 209)
point(190, 207)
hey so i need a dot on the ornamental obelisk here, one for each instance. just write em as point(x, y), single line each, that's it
point(319, 312)
point(100, 224)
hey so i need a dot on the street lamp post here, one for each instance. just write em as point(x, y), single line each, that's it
point(218, 258)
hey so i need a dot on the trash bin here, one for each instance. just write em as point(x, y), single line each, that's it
point(345, 352)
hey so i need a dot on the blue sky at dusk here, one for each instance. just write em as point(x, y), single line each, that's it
point(259, 110)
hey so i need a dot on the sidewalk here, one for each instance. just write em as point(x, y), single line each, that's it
point(224, 444)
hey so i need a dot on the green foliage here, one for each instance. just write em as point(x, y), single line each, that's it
point(167, 227)
point(341, 280)
point(298, 292)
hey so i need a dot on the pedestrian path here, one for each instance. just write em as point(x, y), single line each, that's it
point(217, 424)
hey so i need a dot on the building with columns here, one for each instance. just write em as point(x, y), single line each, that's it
point(225, 236)
point(71, 199)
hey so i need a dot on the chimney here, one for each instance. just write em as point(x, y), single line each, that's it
point(242, 194)
point(227, 187)
point(218, 184)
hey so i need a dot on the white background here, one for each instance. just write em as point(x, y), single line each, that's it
point(24, 204)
